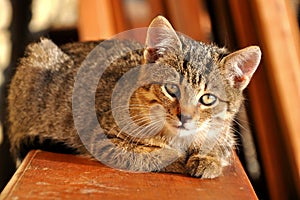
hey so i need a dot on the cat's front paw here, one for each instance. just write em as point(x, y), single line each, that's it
point(204, 166)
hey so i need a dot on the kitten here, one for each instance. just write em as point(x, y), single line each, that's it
point(167, 105)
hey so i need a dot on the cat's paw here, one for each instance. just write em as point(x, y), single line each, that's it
point(204, 166)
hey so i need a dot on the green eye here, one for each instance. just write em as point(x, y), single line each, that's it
point(172, 90)
point(208, 99)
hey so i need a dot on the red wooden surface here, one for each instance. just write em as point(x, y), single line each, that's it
point(45, 175)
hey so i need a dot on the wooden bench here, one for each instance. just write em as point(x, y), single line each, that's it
point(45, 175)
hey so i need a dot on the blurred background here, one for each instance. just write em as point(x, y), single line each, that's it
point(268, 125)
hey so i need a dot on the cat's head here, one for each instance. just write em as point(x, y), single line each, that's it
point(206, 93)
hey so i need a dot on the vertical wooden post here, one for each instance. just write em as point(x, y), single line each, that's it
point(96, 20)
point(280, 36)
point(190, 18)
point(275, 91)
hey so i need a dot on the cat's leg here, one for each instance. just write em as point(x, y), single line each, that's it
point(177, 166)
point(120, 154)
point(204, 166)
point(208, 165)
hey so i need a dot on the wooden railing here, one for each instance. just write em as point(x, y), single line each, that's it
point(45, 175)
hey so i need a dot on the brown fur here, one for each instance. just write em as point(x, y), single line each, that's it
point(177, 128)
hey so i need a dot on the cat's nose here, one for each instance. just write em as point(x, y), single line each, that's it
point(184, 118)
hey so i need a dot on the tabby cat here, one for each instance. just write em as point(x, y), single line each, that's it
point(166, 105)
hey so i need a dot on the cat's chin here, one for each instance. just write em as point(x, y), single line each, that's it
point(183, 132)
point(187, 129)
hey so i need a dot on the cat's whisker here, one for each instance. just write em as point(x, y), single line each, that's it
point(135, 120)
point(152, 128)
point(142, 133)
point(132, 123)
point(240, 125)
point(131, 106)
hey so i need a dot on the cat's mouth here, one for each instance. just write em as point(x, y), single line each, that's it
point(186, 126)
point(182, 128)
point(186, 129)
point(183, 132)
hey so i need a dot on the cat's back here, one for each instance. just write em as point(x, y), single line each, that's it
point(44, 62)
point(44, 71)
point(40, 91)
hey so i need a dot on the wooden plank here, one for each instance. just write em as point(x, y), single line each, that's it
point(96, 20)
point(45, 175)
point(157, 8)
point(120, 19)
point(275, 90)
point(190, 18)
point(283, 60)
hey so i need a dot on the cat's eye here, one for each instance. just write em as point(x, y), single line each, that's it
point(208, 99)
point(172, 90)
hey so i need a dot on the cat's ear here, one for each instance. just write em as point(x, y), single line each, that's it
point(241, 65)
point(161, 38)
